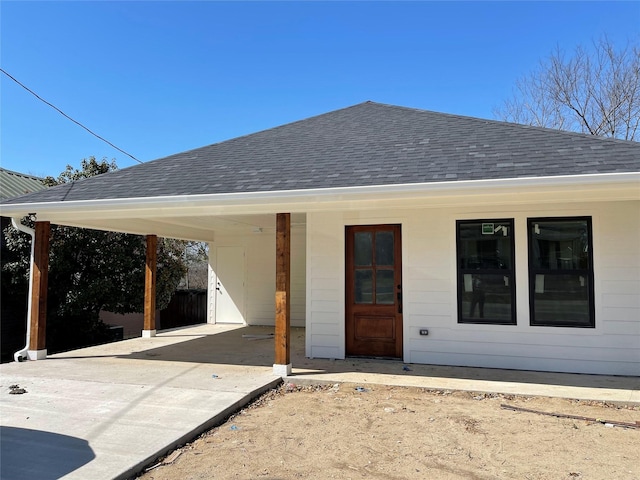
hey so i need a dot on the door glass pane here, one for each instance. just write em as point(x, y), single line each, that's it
point(384, 287)
point(561, 300)
point(384, 248)
point(560, 245)
point(363, 248)
point(486, 296)
point(363, 287)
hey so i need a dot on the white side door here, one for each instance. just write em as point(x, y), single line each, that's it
point(230, 285)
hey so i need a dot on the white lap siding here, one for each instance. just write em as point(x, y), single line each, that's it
point(260, 251)
point(325, 286)
point(430, 301)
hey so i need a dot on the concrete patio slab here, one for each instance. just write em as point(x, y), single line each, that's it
point(606, 388)
point(107, 411)
point(602, 388)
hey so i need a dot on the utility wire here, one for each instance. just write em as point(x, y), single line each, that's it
point(67, 116)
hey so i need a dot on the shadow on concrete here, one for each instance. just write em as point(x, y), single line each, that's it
point(35, 454)
point(228, 348)
point(234, 348)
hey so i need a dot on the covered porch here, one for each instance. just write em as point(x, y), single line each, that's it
point(276, 228)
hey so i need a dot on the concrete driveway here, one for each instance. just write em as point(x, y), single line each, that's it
point(106, 412)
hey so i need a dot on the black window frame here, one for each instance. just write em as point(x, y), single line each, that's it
point(495, 271)
point(587, 272)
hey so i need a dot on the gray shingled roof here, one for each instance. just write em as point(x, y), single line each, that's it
point(13, 184)
point(366, 144)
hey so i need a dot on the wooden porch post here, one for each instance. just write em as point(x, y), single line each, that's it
point(40, 274)
point(282, 365)
point(150, 287)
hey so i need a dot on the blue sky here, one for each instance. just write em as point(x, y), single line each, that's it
point(157, 78)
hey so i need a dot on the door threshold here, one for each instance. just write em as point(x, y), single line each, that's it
point(368, 357)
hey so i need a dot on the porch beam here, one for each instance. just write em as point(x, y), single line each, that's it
point(282, 365)
point(149, 329)
point(40, 275)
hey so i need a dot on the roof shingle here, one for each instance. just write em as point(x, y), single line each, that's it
point(366, 144)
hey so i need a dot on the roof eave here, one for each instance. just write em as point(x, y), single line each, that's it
point(627, 187)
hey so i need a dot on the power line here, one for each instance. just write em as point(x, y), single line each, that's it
point(67, 116)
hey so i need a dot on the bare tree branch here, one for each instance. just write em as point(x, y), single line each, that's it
point(593, 91)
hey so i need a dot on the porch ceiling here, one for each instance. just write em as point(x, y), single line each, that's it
point(198, 228)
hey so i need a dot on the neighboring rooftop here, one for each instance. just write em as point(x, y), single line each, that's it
point(363, 145)
point(13, 184)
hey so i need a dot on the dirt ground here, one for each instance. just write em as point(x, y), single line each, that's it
point(348, 431)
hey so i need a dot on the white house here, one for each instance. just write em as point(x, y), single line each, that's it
point(414, 235)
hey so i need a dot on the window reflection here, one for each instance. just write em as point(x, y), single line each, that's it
point(384, 287)
point(561, 272)
point(560, 245)
point(482, 250)
point(363, 249)
point(486, 296)
point(374, 267)
point(363, 287)
point(384, 248)
point(486, 288)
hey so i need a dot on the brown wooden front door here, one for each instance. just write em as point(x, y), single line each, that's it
point(374, 291)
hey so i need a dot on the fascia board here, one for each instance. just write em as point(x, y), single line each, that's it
point(626, 186)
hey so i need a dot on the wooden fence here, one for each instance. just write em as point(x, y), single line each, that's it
point(187, 307)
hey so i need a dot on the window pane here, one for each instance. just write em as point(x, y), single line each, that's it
point(485, 245)
point(561, 272)
point(561, 300)
point(363, 287)
point(363, 249)
point(486, 289)
point(384, 248)
point(384, 287)
point(486, 298)
point(559, 244)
